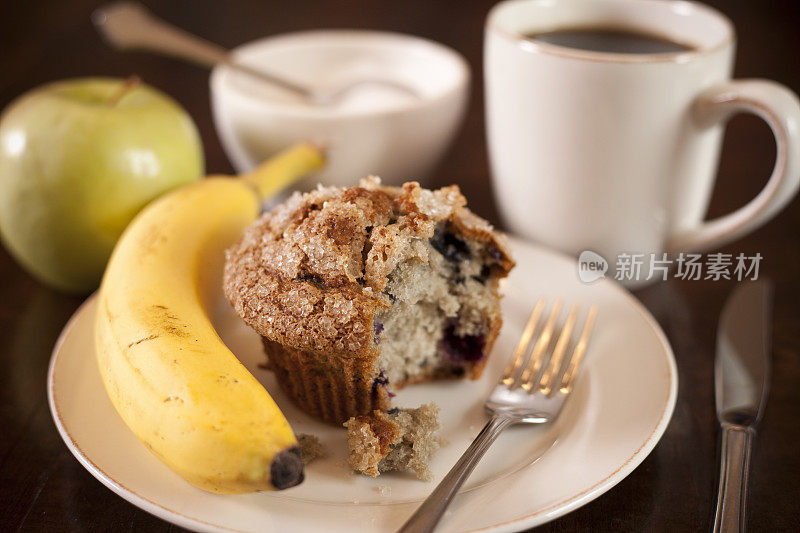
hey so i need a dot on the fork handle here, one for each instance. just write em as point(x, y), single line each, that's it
point(432, 509)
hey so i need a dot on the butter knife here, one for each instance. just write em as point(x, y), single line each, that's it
point(741, 381)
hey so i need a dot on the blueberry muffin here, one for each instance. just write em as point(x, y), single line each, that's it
point(363, 290)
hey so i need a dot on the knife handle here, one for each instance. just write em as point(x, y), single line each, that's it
point(735, 447)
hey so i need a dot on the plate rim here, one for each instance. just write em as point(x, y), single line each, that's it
point(539, 517)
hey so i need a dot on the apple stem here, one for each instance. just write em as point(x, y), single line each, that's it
point(132, 81)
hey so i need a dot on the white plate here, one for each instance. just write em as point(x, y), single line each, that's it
point(622, 403)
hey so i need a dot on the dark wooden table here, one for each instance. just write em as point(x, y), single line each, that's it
point(42, 487)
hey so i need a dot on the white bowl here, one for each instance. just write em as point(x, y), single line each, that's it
point(398, 141)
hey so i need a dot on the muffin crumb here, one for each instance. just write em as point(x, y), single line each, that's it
point(311, 448)
point(398, 440)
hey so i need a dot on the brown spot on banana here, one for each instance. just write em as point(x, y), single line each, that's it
point(168, 322)
point(177, 399)
point(134, 343)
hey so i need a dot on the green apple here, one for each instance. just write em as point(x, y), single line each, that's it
point(78, 159)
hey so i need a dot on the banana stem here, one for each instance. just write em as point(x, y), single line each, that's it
point(285, 168)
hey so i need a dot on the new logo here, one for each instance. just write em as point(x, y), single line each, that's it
point(591, 266)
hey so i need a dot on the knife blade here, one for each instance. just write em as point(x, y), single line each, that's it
point(741, 383)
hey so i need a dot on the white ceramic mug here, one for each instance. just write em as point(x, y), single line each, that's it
point(618, 152)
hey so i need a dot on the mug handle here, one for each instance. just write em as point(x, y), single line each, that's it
point(780, 109)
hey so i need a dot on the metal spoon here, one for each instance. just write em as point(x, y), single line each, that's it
point(129, 25)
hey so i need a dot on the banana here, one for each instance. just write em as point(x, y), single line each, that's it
point(167, 372)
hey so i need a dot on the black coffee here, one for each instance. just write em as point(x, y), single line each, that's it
point(609, 40)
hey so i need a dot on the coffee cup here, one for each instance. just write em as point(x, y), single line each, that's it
point(605, 121)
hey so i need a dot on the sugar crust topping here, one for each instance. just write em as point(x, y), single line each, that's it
point(310, 274)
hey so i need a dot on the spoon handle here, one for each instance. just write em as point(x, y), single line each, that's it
point(129, 25)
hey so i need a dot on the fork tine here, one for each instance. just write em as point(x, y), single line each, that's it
point(509, 374)
point(554, 365)
point(580, 350)
point(535, 363)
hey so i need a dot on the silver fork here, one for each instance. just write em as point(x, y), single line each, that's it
point(532, 390)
